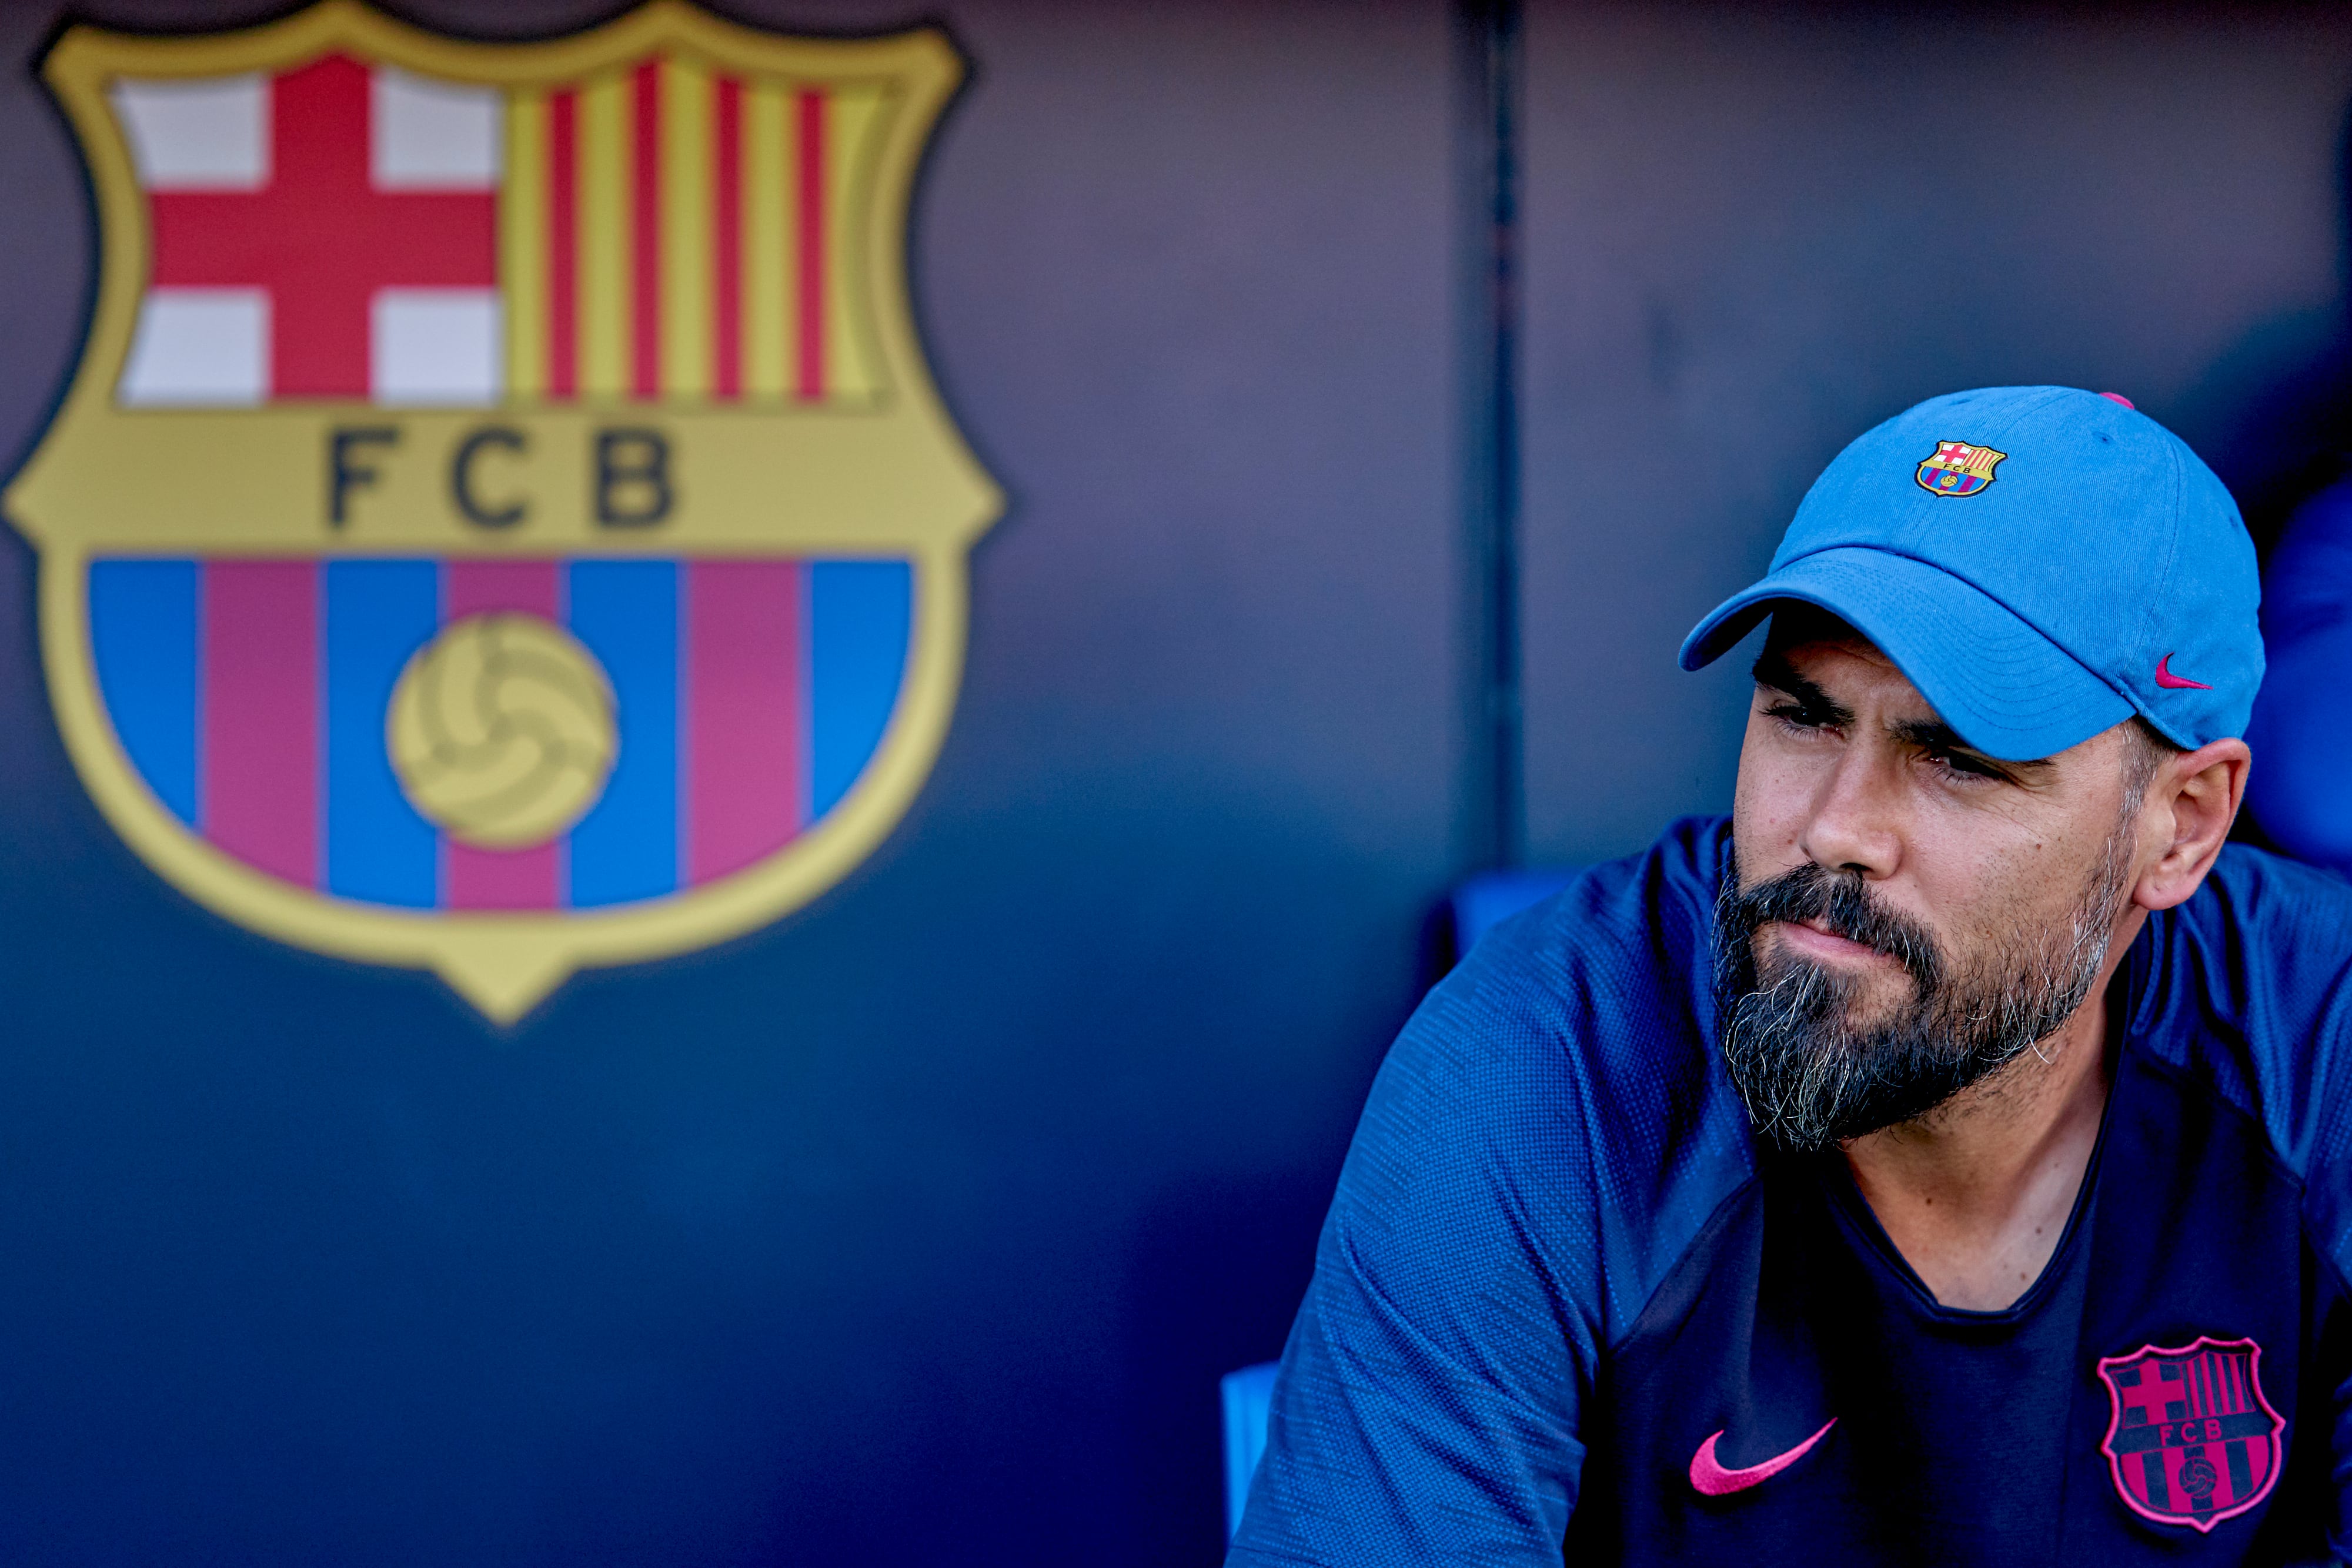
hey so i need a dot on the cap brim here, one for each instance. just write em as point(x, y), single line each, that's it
point(2004, 687)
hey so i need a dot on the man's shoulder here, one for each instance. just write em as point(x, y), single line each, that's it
point(1643, 918)
point(1612, 970)
point(1559, 1087)
point(2252, 995)
point(2253, 887)
point(1579, 1032)
point(2264, 950)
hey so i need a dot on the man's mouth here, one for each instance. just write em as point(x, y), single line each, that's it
point(1816, 940)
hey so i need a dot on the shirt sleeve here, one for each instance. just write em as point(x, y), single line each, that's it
point(1426, 1408)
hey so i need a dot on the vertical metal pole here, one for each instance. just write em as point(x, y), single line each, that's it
point(1490, 53)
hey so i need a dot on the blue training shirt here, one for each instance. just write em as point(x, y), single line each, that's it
point(1565, 1302)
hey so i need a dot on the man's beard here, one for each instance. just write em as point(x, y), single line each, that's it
point(1812, 1078)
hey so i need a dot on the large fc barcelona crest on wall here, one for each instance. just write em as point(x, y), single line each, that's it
point(502, 521)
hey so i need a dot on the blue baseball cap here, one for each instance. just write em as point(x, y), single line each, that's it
point(2042, 563)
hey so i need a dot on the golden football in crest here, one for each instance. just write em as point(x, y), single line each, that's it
point(501, 730)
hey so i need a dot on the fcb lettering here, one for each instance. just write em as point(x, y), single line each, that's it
point(502, 520)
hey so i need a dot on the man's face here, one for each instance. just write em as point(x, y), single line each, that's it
point(1909, 914)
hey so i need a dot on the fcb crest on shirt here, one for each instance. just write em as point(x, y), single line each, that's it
point(1958, 468)
point(2191, 1439)
point(502, 520)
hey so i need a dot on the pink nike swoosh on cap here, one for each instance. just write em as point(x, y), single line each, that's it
point(2172, 683)
point(1710, 1476)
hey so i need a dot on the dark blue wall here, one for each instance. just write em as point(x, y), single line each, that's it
point(917, 1228)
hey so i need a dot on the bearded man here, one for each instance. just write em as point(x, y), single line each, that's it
point(1949, 1159)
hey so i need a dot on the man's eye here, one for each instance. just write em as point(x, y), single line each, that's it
point(1797, 713)
point(1966, 766)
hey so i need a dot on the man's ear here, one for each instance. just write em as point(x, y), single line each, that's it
point(2187, 812)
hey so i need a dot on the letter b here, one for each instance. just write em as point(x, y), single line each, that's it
point(633, 484)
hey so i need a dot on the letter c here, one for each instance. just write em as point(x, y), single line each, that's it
point(461, 477)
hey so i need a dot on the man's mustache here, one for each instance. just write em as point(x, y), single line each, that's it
point(1842, 903)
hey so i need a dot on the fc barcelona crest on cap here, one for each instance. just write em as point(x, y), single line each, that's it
point(502, 521)
point(1958, 468)
point(2191, 1439)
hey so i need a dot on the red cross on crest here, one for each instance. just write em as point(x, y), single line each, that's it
point(321, 235)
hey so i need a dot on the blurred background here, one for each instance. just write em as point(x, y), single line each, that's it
point(919, 1226)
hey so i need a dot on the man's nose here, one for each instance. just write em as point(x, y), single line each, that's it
point(1853, 822)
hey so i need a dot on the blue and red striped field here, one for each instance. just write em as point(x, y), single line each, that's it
point(251, 696)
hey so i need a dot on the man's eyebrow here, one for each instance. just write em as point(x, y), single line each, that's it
point(1773, 670)
point(1935, 735)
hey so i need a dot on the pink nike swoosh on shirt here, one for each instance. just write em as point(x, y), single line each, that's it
point(2172, 683)
point(1710, 1476)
